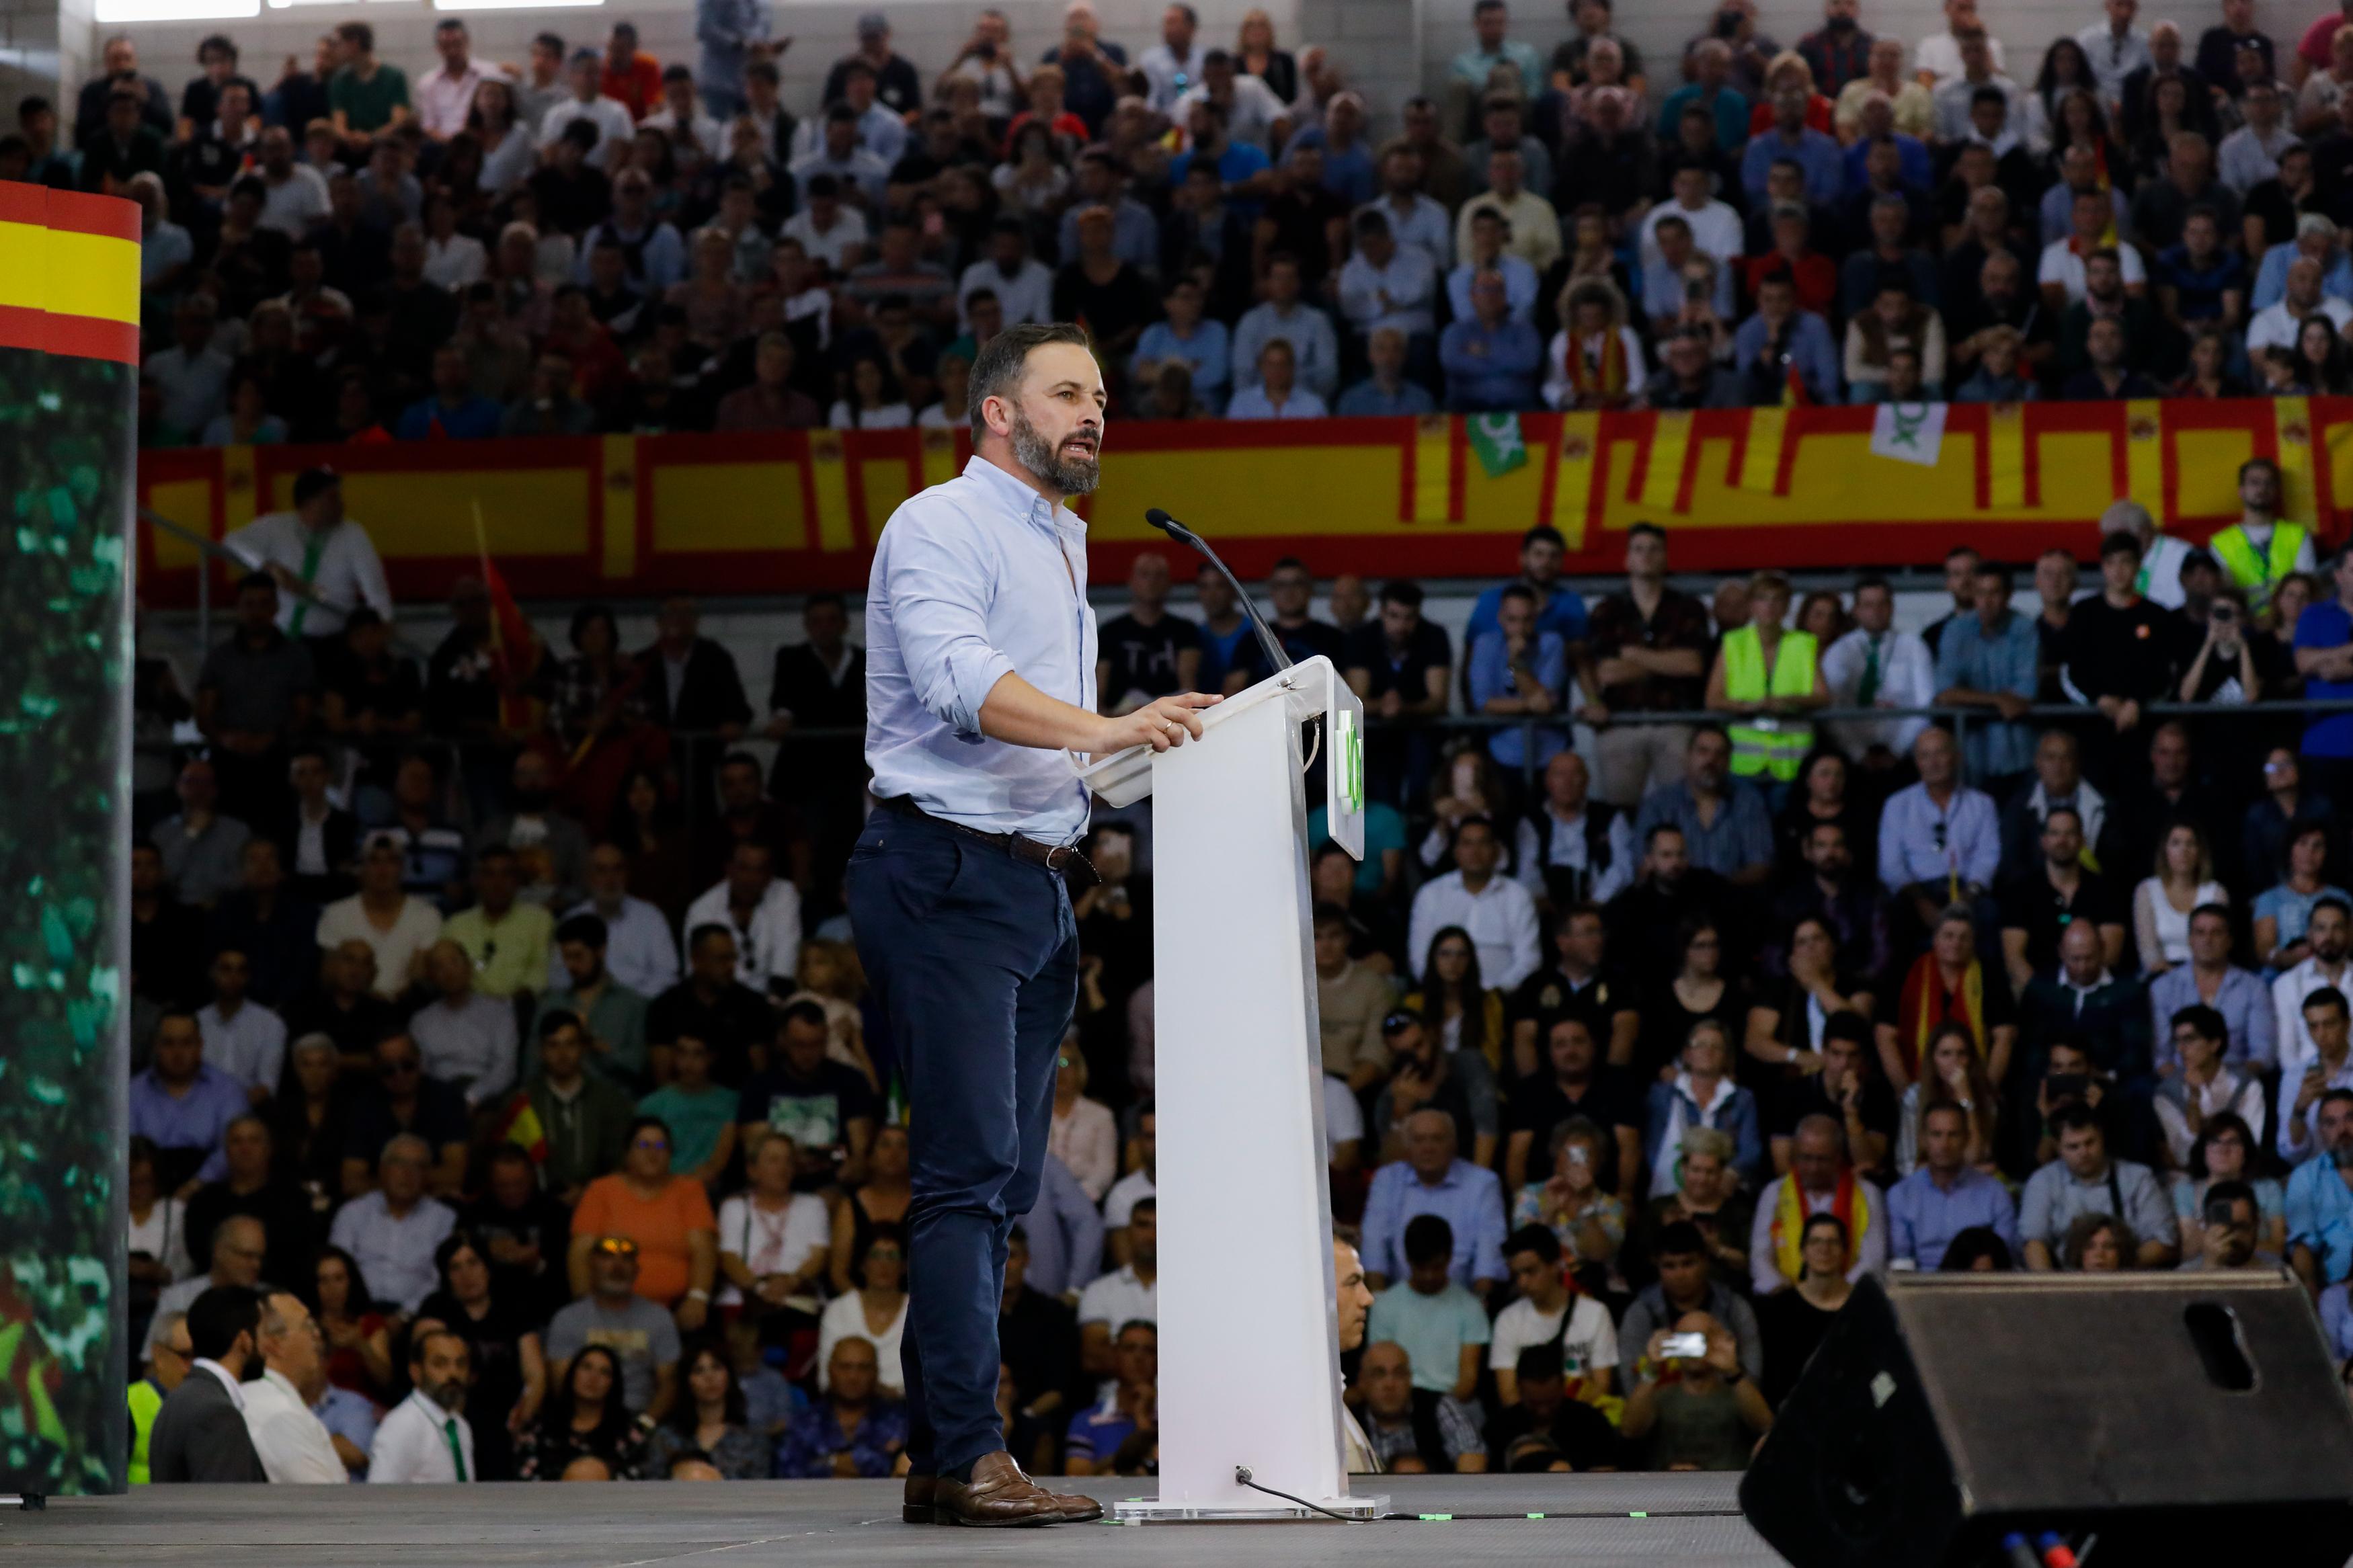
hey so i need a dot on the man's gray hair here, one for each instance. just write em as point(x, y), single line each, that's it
point(2127, 517)
point(998, 369)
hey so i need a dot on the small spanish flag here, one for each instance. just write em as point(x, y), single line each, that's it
point(68, 273)
point(524, 1130)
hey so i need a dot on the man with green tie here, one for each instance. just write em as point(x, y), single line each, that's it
point(425, 1437)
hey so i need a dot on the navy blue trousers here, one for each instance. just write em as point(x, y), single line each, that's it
point(974, 957)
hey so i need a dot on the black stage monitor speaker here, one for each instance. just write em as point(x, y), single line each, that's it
point(2186, 1418)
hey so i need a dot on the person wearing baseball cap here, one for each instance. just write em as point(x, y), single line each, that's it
point(897, 87)
point(325, 564)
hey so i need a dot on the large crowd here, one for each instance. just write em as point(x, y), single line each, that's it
point(500, 1037)
point(596, 240)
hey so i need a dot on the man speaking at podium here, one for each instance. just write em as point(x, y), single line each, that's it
point(980, 658)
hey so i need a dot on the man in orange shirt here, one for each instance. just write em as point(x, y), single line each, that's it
point(630, 75)
point(667, 1217)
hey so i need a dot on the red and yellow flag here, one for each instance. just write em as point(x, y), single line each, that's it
point(68, 273)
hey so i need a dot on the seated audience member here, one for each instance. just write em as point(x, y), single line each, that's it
point(1793, 1322)
point(611, 1315)
point(1686, 1283)
point(1411, 1429)
point(2056, 894)
point(1952, 1073)
point(2085, 1179)
point(1551, 1311)
point(1430, 1180)
point(2320, 1198)
point(523, 1228)
point(239, 1247)
point(852, 1429)
point(581, 1121)
point(1118, 1435)
point(668, 1217)
point(1702, 1413)
point(612, 1013)
point(1441, 1326)
point(876, 1310)
point(2203, 1086)
point(1701, 1094)
point(828, 1110)
point(1820, 1181)
point(252, 1183)
point(1945, 985)
point(292, 1443)
point(392, 1231)
point(2222, 1152)
point(708, 1427)
point(184, 1106)
point(1130, 1292)
point(1945, 1194)
point(586, 1418)
point(468, 1039)
point(1578, 1432)
point(501, 1335)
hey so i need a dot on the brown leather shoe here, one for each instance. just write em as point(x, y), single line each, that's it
point(999, 1494)
point(917, 1507)
point(1077, 1509)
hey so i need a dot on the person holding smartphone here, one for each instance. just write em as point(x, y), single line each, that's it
point(2223, 668)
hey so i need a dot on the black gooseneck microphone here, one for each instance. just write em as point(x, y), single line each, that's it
point(1184, 536)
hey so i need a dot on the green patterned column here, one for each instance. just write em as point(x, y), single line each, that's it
point(69, 409)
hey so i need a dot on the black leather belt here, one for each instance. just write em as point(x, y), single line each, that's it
point(1062, 857)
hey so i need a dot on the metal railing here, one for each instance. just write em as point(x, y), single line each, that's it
point(695, 753)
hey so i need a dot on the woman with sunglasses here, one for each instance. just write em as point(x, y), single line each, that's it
point(668, 1217)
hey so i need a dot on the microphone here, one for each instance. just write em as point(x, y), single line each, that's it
point(1177, 531)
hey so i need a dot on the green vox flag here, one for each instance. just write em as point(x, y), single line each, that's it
point(1495, 439)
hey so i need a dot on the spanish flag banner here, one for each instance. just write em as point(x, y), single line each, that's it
point(68, 273)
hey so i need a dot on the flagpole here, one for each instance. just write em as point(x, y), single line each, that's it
point(483, 551)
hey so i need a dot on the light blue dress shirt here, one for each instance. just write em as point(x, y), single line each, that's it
point(2004, 660)
point(1924, 1217)
point(1917, 843)
point(1208, 351)
point(975, 580)
point(1470, 1199)
point(726, 29)
point(1491, 675)
point(2320, 1216)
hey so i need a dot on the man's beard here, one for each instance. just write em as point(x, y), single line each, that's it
point(450, 1397)
point(2341, 1156)
point(1070, 476)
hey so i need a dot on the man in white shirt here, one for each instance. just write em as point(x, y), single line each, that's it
point(444, 96)
point(426, 1437)
point(639, 950)
point(764, 910)
point(1252, 109)
point(1130, 1293)
point(1496, 912)
point(468, 1039)
point(1938, 57)
point(682, 111)
point(2116, 49)
point(1386, 284)
point(191, 374)
point(1715, 227)
point(830, 229)
point(839, 145)
point(2329, 931)
point(1023, 285)
point(315, 549)
point(294, 1445)
point(1588, 1340)
point(1136, 1186)
point(391, 1232)
point(294, 194)
point(2275, 326)
point(1173, 66)
point(1571, 848)
point(242, 1038)
point(1876, 666)
point(610, 116)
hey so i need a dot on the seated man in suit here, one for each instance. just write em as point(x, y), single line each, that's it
point(200, 1433)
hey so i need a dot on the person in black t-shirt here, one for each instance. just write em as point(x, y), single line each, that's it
point(1575, 1082)
point(1581, 1433)
point(1290, 587)
point(1147, 652)
point(2117, 655)
point(2038, 905)
point(828, 1110)
point(1399, 663)
point(1845, 1089)
point(736, 1021)
point(1578, 978)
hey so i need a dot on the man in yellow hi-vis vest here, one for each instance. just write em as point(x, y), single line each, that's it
point(1767, 677)
point(2259, 549)
point(171, 1355)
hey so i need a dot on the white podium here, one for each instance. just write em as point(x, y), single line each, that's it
point(1249, 1360)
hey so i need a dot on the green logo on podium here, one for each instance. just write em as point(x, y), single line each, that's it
point(1351, 759)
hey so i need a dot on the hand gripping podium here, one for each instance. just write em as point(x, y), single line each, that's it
point(1250, 1361)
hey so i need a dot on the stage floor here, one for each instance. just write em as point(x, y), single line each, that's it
point(1694, 1523)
